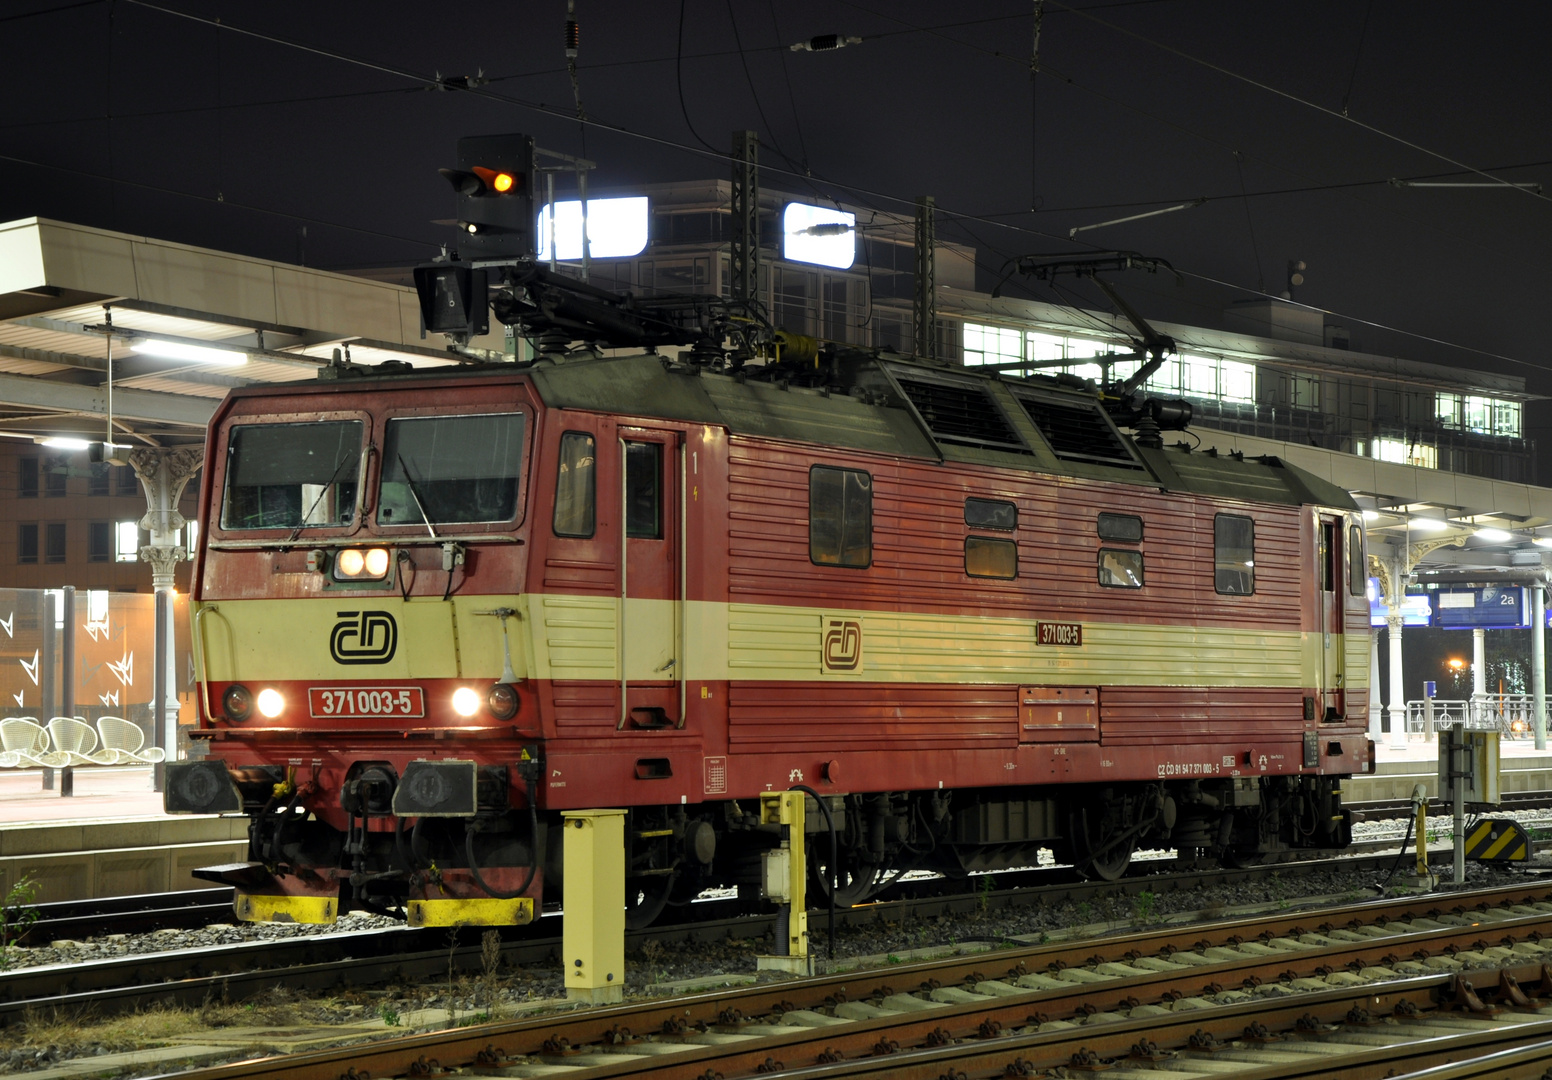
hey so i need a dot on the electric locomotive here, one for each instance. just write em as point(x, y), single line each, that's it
point(432, 610)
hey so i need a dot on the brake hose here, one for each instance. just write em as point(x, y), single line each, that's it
point(533, 867)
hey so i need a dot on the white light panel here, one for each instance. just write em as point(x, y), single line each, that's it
point(616, 228)
point(810, 235)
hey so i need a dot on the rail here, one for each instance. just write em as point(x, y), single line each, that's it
point(1511, 714)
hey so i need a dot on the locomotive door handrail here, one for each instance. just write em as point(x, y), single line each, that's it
point(684, 592)
point(619, 622)
point(201, 671)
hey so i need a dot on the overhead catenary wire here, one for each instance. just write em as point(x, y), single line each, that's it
point(1285, 94)
point(958, 216)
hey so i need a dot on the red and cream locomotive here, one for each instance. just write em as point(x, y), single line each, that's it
point(432, 610)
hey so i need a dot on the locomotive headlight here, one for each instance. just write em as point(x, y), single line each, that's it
point(361, 564)
point(237, 703)
point(465, 701)
point(502, 701)
point(376, 562)
point(271, 704)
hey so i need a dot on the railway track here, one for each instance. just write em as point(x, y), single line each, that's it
point(191, 909)
point(326, 962)
point(1400, 809)
point(1375, 989)
point(127, 915)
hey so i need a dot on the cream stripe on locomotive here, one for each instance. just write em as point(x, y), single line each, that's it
point(558, 636)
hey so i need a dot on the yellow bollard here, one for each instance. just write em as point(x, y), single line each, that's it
point(593, 939)
point(784, 879)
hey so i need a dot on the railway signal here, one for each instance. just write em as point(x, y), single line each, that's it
point(494, 181)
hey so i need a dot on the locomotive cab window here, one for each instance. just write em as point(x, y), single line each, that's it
point(991, 557)
point(1127, 528)
point(1357, 577)
point(291, 476)
point(451, 469)
point(644, 490)
point(991, 514)
point(840, 517)
point(576, 485)
point(1234, 555)
point(1120, 569)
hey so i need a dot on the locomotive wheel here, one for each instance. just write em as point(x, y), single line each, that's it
point(1239, 858)
point(645, 899)
point(857, 881)
point(1098, 851)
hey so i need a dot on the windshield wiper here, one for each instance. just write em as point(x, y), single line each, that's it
point(332, 481)
point(409, 482)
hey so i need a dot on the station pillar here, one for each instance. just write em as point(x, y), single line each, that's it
point(1376, 727)
point(164, 473)
point(1538, 663)
point(784, 879)
point(1398, 709)
point(593, 938)
point(1479, 671)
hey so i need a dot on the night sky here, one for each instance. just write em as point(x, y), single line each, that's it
point(127, 116)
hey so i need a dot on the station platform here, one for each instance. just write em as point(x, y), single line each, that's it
point(1522, 768)
point(110, 838)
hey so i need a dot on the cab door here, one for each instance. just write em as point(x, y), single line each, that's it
point(1332, 577)
point(651, 635)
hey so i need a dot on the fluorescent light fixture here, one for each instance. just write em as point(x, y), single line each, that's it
point(1425, 524)
point(616, 228)
point(60, 442)
point(1493, 536)
point(1543, 541)
point(818, 234)
point(178, 350)
point(1371, 515)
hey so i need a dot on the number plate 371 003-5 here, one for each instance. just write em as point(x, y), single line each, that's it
point(365, 702)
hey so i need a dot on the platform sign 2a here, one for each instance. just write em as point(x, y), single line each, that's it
point(1490, 608)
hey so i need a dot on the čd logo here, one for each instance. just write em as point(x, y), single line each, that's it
point(363, 637)
point(842, 645)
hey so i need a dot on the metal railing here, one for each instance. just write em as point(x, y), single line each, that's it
point(1511, 714)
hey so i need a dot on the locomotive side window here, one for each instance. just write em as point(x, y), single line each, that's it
point(840, 517)
point(1120, 569)
point(1357, 576)
point(291, 476)
point(1126, 528)
point(991, 514)
point(576, 486)
point(450, 469)
point(987, 556)
point(644, 490)
point(1234, 555)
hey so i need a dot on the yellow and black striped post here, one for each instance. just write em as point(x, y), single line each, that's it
point(1499, 840)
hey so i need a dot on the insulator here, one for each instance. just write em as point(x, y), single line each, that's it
point(825, 42)
point(572, 38)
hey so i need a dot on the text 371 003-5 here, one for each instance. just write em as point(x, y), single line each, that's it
point(359, 702)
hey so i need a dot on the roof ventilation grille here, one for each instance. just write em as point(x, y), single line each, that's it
point(1078, 432)
point(965, 415)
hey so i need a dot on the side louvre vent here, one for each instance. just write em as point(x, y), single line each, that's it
point(1078, 432)
point(965, 415)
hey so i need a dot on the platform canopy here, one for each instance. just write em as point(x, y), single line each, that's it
point(182, 324)
point(70, 294)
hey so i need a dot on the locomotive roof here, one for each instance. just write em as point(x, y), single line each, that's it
point(916, 410)
point(895, 406)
